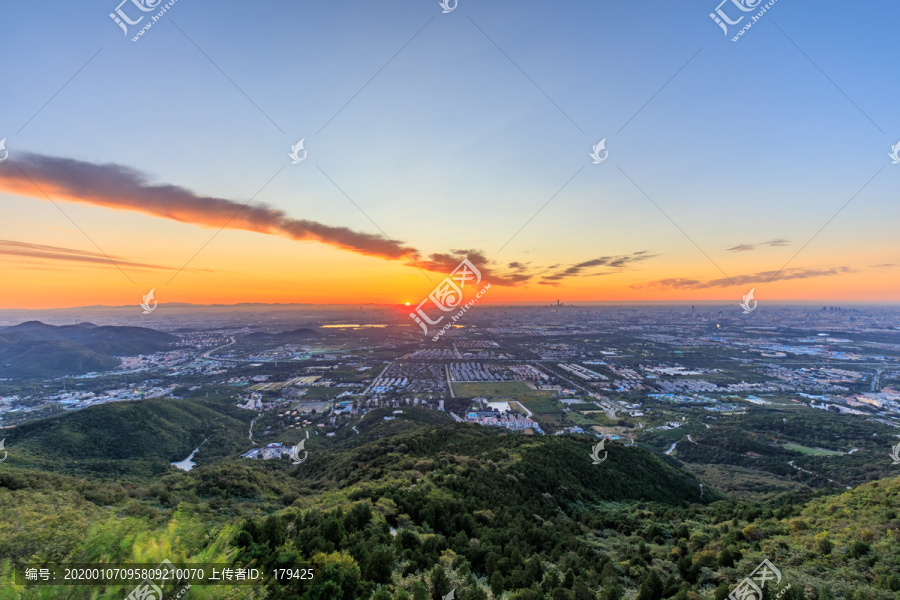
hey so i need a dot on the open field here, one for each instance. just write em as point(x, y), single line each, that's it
point(499, 389)
point(266, 387)
point(811, 451)
point(322, 393)
point(543, 407)
point(308, 406)
point(277, 385)
point(595, 418)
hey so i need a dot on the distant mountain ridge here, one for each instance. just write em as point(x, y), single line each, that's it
point(35, 349)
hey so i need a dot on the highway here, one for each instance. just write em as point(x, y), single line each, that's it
point(207, 356)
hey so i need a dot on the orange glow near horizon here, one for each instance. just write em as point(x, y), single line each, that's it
point(190, 263)
point(41, 287)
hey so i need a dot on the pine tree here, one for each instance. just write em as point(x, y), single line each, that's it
point(609, 576)
point(611, 592)
point(581, 591)
point(497, 584)
point(381, 594)
point(726, 559)
point(440, 583)
point(534, 570)
point(420, 592)
point(651, 588)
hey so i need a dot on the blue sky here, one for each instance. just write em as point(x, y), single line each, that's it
point(451, 145)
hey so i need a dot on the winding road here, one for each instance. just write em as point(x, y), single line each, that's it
point(207, 356)
point(790, 462)
point(250, 433)
point(672, 447)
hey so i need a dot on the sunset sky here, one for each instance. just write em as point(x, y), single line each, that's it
point(762, 163)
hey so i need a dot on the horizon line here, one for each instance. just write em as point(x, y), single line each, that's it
point(578, 303)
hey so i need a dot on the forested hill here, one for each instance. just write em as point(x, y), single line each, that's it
point(130, 439)
point(435, 507)
point(472, 457)
point(108, 339)
point(35, 349)
point(476, 500)
point(424, 540)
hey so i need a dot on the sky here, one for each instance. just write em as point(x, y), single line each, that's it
point(429, 136)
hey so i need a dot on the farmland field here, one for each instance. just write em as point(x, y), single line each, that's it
point(499, 389)
point(811, 451)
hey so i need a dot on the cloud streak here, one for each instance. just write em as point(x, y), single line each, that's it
point(124, 188)
point(447, 262)
point(762, 277)
point(612, 264)
point(58, 253)
point(121, 187)
point(749, 247)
